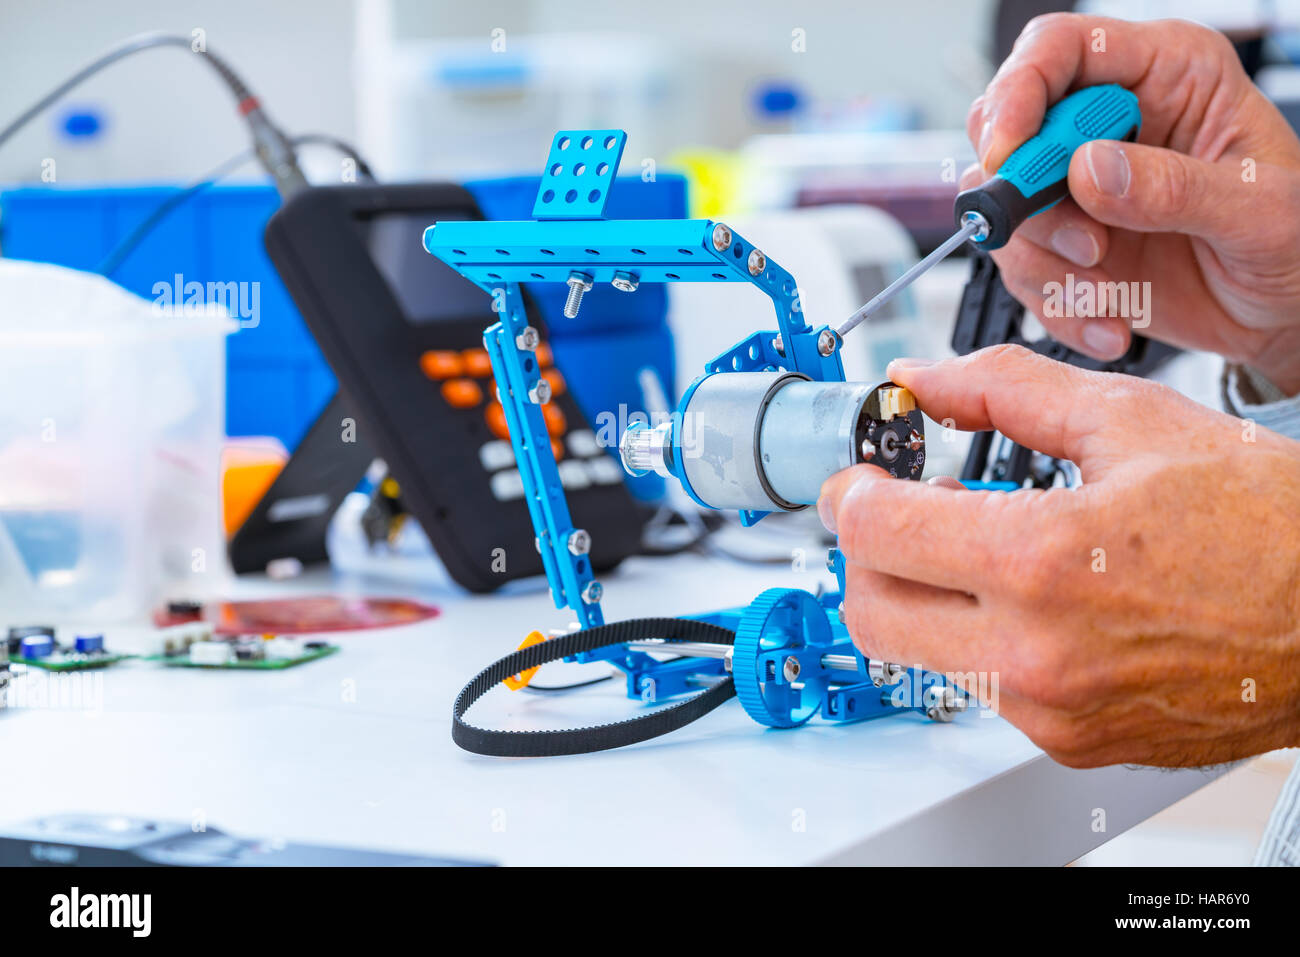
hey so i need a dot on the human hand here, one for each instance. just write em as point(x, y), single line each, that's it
point(1151, 615)
point(1205, 207)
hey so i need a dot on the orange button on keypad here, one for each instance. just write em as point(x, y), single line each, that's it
point(462, 393)
point(554, 419)
point(555, 379)
point(496, 420)
point(477, 363)
point(439, 364)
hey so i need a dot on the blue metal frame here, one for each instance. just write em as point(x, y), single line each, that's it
point(570, 236)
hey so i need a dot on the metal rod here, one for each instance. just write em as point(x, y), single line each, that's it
point(839, 662)
point(706, 649)
point(905, 280)
point(694, 649)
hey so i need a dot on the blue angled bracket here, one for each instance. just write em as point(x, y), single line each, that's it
point(570, 236)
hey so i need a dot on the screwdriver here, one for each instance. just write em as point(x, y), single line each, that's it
point(1034, 178)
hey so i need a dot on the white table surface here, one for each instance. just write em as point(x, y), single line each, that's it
point(355, 750)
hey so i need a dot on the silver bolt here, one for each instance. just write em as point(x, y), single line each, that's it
point(942, 703)
point(528, 339)
point(540, 394)
point(624, 282)
point(790, 668)
point(868, 450)
point(579, 541)
point(827, 342)
point(579, 283)
point(721, 238)
point(593, 592)
point(839, 613)
point(884, 672)
point(778, 344)
point(757, 262)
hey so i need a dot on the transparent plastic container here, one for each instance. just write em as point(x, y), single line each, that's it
point(111, 426)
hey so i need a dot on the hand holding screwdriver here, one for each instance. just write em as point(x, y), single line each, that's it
point(1032, 179)
point(1203, 208)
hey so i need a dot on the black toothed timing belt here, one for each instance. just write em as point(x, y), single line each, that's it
point(531, 744)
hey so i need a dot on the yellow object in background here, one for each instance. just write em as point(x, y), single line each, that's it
point(248, 467)
point(713, 179)
point(516, 682)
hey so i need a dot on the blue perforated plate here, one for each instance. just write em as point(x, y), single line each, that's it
point(579, 171)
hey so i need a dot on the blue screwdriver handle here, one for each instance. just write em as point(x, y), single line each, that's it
point(1034, 177)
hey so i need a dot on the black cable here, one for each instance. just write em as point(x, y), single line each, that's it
point(271, 146)
point(145, 41)
point(552, 689)
point(342, 146)
point(577, 685)
point(116, 256)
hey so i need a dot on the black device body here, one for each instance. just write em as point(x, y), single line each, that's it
point(105, 840)
point(989, 315)
point(376, 302)
point(291, 519)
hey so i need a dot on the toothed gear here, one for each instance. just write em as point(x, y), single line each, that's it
point(792, 621)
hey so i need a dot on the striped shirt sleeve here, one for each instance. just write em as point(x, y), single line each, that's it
point(1250, 396)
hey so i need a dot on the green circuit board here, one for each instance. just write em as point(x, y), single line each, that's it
point(255, 664)
point(71, 661)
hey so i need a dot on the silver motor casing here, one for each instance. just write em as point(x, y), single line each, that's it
point(768, 440)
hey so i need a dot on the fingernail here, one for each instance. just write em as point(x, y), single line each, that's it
point(1076, 245)
point(1109, 168)
point(826, 514)
point(1103, 338)
point(986, 140)
point(908, 362)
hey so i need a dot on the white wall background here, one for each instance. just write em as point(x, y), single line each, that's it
point(171, 120)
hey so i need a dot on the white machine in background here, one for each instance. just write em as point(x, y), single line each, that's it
point(843, 255)
point(480, 105)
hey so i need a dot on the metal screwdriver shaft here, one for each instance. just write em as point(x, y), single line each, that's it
point(1033, 178)
point(970, 229)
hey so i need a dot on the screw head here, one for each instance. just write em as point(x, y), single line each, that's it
point(827, 342)
point(540, 394)
point(593, 592)
point(580, 279)
point(839, 613)
point(721, 238)
point(624, 282)
point(528, 339)
point(941, 703)
point(757, 262)
point(579, 541)
point(778, 344)
point(790, 669)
